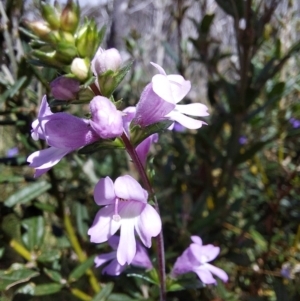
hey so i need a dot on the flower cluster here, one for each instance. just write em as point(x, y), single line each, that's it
point(124, 203)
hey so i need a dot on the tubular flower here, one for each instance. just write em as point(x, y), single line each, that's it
point(104, 60)
point(195, 259)
point(126, 209)
point(159, 101)
point(63, 132)
point(141, 258)
point(106, 119)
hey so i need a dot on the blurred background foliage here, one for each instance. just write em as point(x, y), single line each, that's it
point(235, 182)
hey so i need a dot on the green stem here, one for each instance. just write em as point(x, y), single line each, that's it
point(159, 239)
point(80, 294)
point(20, 250)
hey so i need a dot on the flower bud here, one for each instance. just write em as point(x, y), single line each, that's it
point(43, 31)
point(106, 60)
point(87, 39)
point(65, 52)
point(50, 14)
point(106, 119)
point(64, 88)
point(69, 18)
point(80, 68)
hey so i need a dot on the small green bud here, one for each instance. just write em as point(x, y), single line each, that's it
point(69, 18)
point(47, 58)
point(85, 95)
point(87, 40)
point(65, 52)
point(106, 83)
point(80, 68)
point(51, 15)
point(43, 31)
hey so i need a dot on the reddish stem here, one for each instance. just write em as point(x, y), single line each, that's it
point(159, 239)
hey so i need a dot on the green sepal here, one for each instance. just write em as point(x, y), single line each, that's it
point(102, 144)
point(51, 15)
point(139, 134)
point(109, 80)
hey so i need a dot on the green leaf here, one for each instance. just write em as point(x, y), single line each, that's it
point(232, 8)
point(259, 239)
point(14, 276)
point(82, 217)
point(80, 270)
point(27, 194)
point(138, 134)
point(119, 297)
point(13, 90)
point(102, 144)
point(104, 293)
point(45, 206)
point(54, 275)
point(206, 23)
point(40, 290)
point(33, 238)
point(49, 255)
point(141, 277)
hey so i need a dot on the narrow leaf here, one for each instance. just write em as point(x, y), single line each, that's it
point(27, 194)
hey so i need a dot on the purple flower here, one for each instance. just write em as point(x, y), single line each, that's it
point(195, 259)
point(106, 119)
point(12, 152)
point(63, 132)
point(104, 60)
point(141, 258)
point(64, 88)
point(126, 209)
point(159, 101)
point(295, 123)
point(243, 140)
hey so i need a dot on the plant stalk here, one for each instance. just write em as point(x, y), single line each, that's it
point(159, 239)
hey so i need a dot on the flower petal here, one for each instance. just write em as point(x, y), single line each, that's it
point(205, 275)
point(193, 109)
point(128, 188)
point(104, 192)
point(179, 86)
point(217, 271)
point(103, 226)
point(197, 240)
point(101, 259)
point(162, 87)
point(205, 253)
point(63, 130)
point(159, 68)
point(149, 225)
point(46, 158)
point(151, 108)
point(186, 121)
point(182, 264)
point(141, 258)
point(143, 148)
point(114, 268)
point(127, 116)
point(44, 108)
point(114, 241)
point(127, 245)
point(106, 119)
